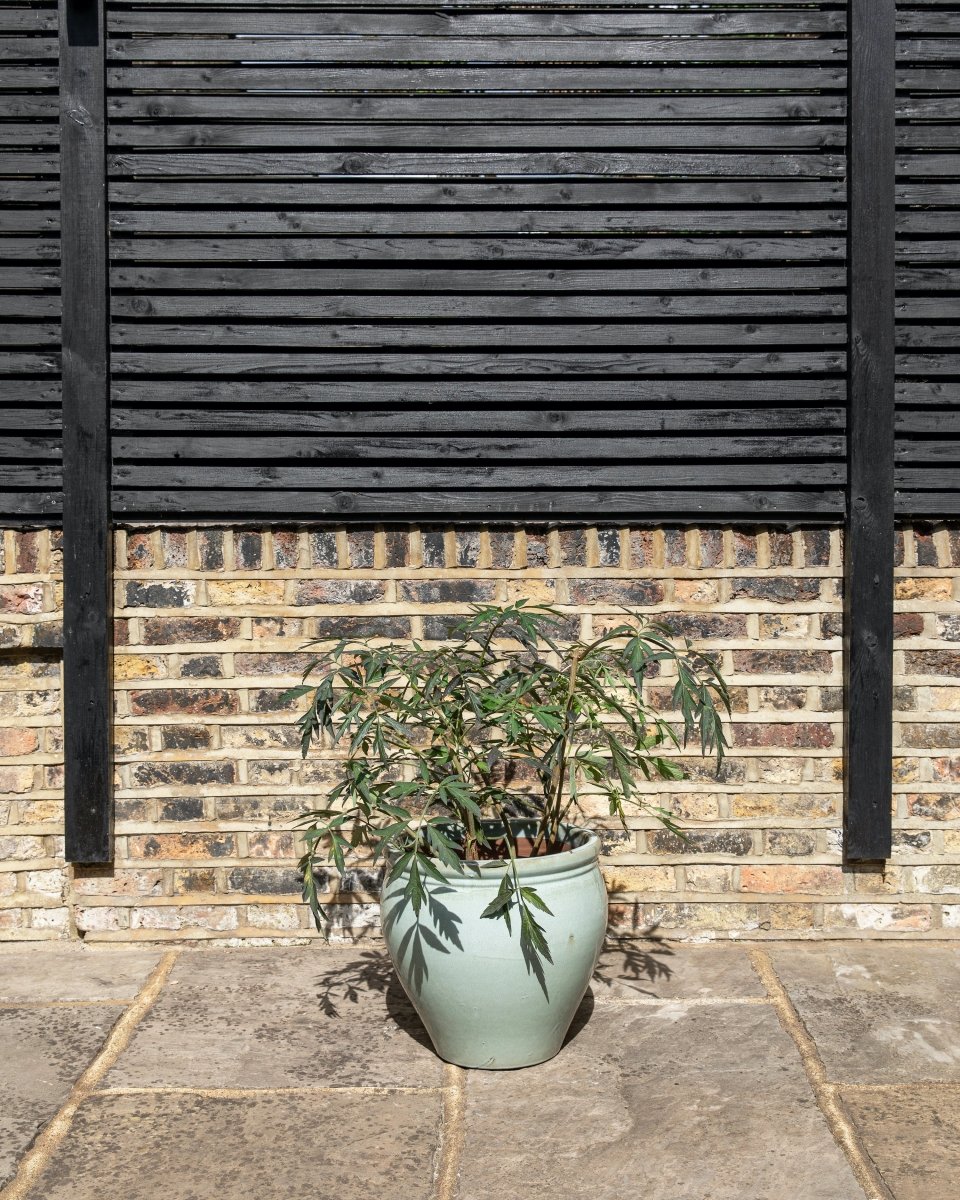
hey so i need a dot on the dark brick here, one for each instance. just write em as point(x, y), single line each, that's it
point(187, 774)
point(704, 770)
point(925, 548)
point(210, 543)
point(140, 551)
point(934, 806)
point(185, 737)
point(777, 590)
point(202, 880)
point(248, 550)
point(948, 627)
point(195, 701)
point(363, 627)
point(398, 548)
point(831, 699)
point(783, 699)
point(954, 537)
point(911, 840)
point(286, 549)
point(282, 627)
point(927, 736)
point(705, 625)
point(816, 547)
point(790, 843)
point(781, 549)
point(613, 841)
point(128, 809)
point(339, 591)
point(48, 635)
point(209, 666)
point(280, 663)
point(907, 625)
point(433, 544)
point(831, 625)
point(447, 591)
point(538, 548)
point(782, 662)
point(29, 543)
point(361, 880)
point(711, 547)
point(360, 548)
point(323, 548)
point(675, 547)
point(642, 548)
point(246, 808)
point(905, 699)
point(173, 543)
point(805, 735)
point(121, 633)
point(270, 881)
point(502, 548)
point(723, 841)
point(468, 547)
point(573, 547)
point(185, 808)
point(608, 542)
point(159, 595)
point(616, 591)
point(169, 631)
point(943, 663)
point(271, 700)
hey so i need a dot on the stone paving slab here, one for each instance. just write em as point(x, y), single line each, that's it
point(652, 970)
point(42, 1053)
point(273, 1017)
point(879, 1012)
point(45, 975)
point(188, 1147)
point(666, 1103)
point(912, 1133)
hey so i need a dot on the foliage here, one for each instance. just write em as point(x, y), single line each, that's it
point(435, 739)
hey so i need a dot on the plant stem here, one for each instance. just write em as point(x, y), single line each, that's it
point(550, 828)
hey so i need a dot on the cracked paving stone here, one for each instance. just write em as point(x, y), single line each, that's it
point(187, 1147)
point(258, 1018)
point(44, 1052)
point(878, 1012)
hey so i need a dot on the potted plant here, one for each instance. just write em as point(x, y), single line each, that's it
point(467, 770)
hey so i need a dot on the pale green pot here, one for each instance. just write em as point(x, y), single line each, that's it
point(466, 975)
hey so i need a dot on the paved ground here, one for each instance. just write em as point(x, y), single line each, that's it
point(783, 1072)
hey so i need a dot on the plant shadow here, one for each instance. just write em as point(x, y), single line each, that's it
point(630, 964)
point(372, 972)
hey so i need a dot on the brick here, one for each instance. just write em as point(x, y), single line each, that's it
point(15, 742)
point(278, 627)
point(139, 666)
point(267, 700)
point(202, 666)
point(339, 591)
point(360, 543)
point(878, 917)
point(272, 845)
point(171, 631)
point(185, 808)
point(47, 883)
point(25, 599)
point(790, 843)
point(608, 547)
point(616, 591)
point(269, 881)
point(923, 589)
point(940, 699)
point(447, 591)
point(174, 548)
point(101, 919)
point(929, 736)
point(573, 547)
point(675, 547)
point(182, 845)
point(806, 735)
point(948, 627)
point(286, 549)
point(282, 917)
point(362, 627)
point(112, 881)
point(503, 548)
point(538, 548)
point(907, 625)
point(785, 805)
point(268, 771)
point(792, 879)
point(642, 548)
point(186, 737)
point(696, 591)
point(924, 548)
point(234, 592)
point(947, 769)
point(187, 774)
point(883, 880)
point(433, 548)
point(468, 547)
point(780, 549)
point(789, 916)
point(397, 548)
point(140, 553)
point(724, 841)
point(932, 662)
point(210, 548)
point(29, 546)
point(639, 879)
point(704, 878)
point(280, 663)
point(200, 879)
point(15, 781)
point(323, 548)
point(816, 547)
point(257, 808)
point(784, 625)
point(783, 662)
point(782, 699)
point(710, 548)
point(186, 701)
point(776, 589)
point(166, 594)
point(744, 549)
point(248, 550)
point(934, 806)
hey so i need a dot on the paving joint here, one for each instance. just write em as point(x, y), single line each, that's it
point(44, 1148)
point(826, 1093)
point(452, 1132)
point(228, 1093)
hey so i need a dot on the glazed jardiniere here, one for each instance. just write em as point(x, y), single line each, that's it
point(465, 974)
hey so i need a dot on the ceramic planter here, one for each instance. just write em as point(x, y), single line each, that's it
point(466, 975)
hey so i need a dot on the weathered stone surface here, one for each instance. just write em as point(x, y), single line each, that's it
point(913, 1136)
point(180, 1147)
point(73, 974)
point(658, 970)
point(664, 1103)
point(878, 1013)
point(272, 1018)
point(44, 1051)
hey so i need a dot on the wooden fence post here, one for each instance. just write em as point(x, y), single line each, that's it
point(87, 684)
point(868, 556)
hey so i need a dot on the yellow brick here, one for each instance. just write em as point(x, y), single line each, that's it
point(696, 591)
point(235, 592)
point(944, 699)
point(639, 879)
point(139, 666)
point(924, 589)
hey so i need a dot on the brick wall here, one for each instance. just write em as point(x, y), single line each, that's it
point(209, 623)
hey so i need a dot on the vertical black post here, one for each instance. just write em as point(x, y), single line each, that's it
point(87, 550)
point(869, 530)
